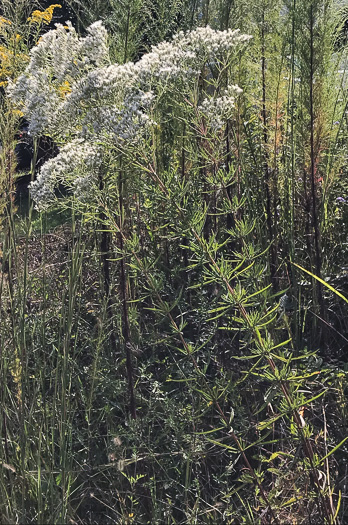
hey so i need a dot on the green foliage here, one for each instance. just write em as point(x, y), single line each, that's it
point(163, 360)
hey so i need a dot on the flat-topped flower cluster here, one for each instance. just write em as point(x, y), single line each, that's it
point(72, 92)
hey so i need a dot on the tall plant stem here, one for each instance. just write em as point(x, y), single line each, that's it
point(127, 34)
point(290, 197)
point(266, 167)
point(124, 299)
point(123, 274)
point(193, 14)
point(105, 255)
point(22, 342)
point(318, 261)
point(70, 306)
point(206, 12)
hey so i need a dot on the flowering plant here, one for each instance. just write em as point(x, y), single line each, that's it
point(43, 17)
point(72, 92)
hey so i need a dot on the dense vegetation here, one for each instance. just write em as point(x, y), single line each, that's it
point(173, 292)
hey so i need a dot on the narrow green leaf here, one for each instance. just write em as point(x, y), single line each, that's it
point(291, 501)
point(170, 380)
point(258, 292)
point(223, 445)
point(281, 344)
point(295, 378)
point(322, 282)
point(338, 505)
point(332, 451)
point(209, 431)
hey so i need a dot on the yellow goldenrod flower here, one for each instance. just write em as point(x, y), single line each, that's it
point(43, 17)
point(5, 21)
point(11, 60)
point(17, 112)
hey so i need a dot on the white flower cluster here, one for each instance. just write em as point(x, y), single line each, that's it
point(119, 124)
point(77, 157)
point(181, 58)
point(61, 53)
point(56, 53)
point(219, 109)
point(70, 91)
point(134, 119)
point(100, 86)
point(41, 101)
point(208, 41)
point(166, 61)
point(94, 47)
point(59, 57)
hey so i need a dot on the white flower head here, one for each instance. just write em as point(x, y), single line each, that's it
point(217, 110)
point(76, 166)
